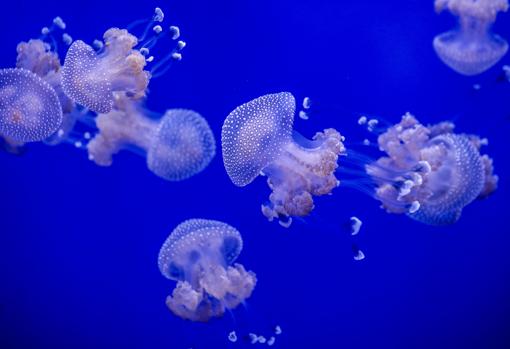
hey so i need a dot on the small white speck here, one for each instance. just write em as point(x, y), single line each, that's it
point(307, 103)
point(232, 336)
point(362, 120)
point(303, 115)
point(359, 256)
point(355, 225)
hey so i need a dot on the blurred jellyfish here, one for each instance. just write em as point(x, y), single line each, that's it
point(178, 145)
point(430, 173)
point(471, 48)
point(199, 255)
point(29, 107)
point(257, 139)
point(117, 69)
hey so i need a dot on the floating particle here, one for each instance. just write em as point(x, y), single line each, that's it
point(355, 225)
point(232, 336)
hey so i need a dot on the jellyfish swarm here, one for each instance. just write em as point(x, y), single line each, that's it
point(471, 48)
point(199, 255)
point(91, 78)
point(177, 146)
point(30, 110)
point(257, 139)
point(430, 173)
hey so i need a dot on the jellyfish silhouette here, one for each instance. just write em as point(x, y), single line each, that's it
point(199, 255)
point(430, 173)
point(257, 139)
point(29, 107)
point(471, 48)
point(177, 146)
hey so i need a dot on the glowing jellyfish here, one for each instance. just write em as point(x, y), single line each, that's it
point(177, 146)
point(199, 255)
point(38, 57)
point(430, 173)
point(91, 78)
point(29, 107)
point(472, 48)
point(257, 139)
point(94, 78)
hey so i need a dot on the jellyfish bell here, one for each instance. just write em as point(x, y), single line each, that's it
point(257, 138)
point(30, 109)
point(471, 48)
point(430, 173)
point(199, 254)
point(177, 146)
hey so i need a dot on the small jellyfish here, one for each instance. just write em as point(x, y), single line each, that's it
point(177, 146)
point(199, 255)
point(257, 138)
point(232, 336)
point(92, 78)
point(430, 173)
point(355, 225)
point(29, 107)
point(471, 48)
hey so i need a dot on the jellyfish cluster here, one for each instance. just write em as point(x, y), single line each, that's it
point(96, 100)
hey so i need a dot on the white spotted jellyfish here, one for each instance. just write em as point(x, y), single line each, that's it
point(471, 48)
point(430, 173)
point(30, 110)
point(257, 139)
point(199, 254)
point(177, 146)
point(94, 77)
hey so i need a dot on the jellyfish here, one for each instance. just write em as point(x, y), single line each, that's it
point(93, 78)
point(257, 139)
point(38, 56)
point(177, 146)
point(199, 254)
point(471, 48)
point(30, 109)
point(430, 173)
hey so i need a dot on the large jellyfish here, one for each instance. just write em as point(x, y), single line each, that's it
point(471, 48)
point(177, 146)
point(430, 173)
point(257, 139)
point(199, 255)
point(29, 107)
point(93, 78)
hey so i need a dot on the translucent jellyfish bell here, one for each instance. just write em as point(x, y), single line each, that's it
point(430, 173)
point(257, 138)
point(199, 255)
point(471, 48)
point(92, 78)
point(29, 107)
point(177, 146)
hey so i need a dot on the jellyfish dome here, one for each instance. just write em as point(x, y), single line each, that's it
point(92, 78)
point(177, 146)
point(258, 139)
point(199, 254)
point(430, 173)
point(29, 107)
point(471, 48)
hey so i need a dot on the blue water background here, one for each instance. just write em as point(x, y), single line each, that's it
point(79, 243)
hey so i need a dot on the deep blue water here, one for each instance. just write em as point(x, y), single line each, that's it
point(79, 243)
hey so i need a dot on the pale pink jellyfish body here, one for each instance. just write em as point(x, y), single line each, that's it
point(29, 107)
point(92, 78)
point(199, 254)
point(471, 48)
point(430, 173)
point(257, 139)
point(177, 146)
